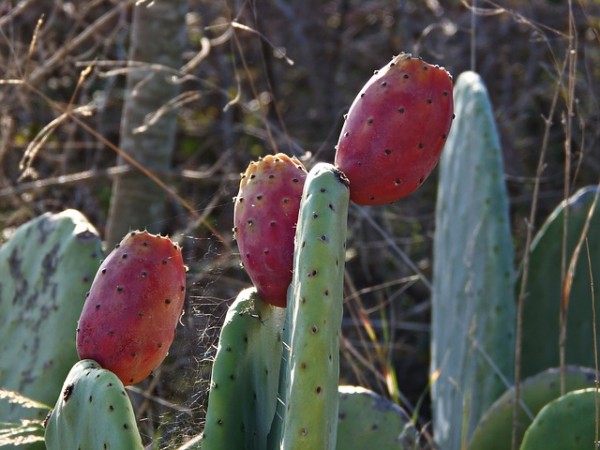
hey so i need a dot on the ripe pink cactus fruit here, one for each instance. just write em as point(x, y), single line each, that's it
point(129, 318)
point(265, 215)
point(395, 130)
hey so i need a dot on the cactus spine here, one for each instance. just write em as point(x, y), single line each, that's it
point(93, 412)
point(316, 312)
point(245, 376)
point(473, 306)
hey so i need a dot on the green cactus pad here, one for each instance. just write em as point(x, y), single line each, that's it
point(93, 412)
point(245, 376)
point(494, 431)
point(541, 310)
point(473, 300)
point(316, 303)
point(367, 420)
point(567, 423)
point(46, 267)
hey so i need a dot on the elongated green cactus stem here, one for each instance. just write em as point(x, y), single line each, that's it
point(473, 305)
point(93, 412)
point(316, 312)
point(245, 376)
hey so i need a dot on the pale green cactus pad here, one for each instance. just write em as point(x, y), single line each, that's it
point(567, 423)
point(494, 431)
point(316, 307)
point(46, 268)
point(367, 420)
point(93, 412)
point(245, 376)
point(544, 287)
point(473, 300)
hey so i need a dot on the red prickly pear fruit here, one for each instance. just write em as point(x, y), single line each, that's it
point(130, 314)
point(395, 130)
point(264, 216)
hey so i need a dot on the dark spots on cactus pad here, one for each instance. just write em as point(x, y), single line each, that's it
point(312, 273)
point(430, 101)
point(259, 197)
point(103, 271)
point(387, 151)
point(68, 392)
point(303, 431)
point(406, 76)
point(401, 110)
point(167, 301)
point(397, 181)
point(374, 427)
point(421, 145)
point(314, 329)
point(323, 238)
point(331, 207)
point(318, 390)
point(266, 251)
point(90, 399)
point(144, 274)
point(421, 180)
point(97, 306)
point(164, 262)
point(272, 223)
point(370, 120)
point(119, 288)
point(124, 256)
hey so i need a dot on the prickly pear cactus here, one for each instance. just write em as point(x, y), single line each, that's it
point(473, 302)
point(93, 412)
point(134, 304)
point(494, 431)
point(367, 420)
point(395, 130)
point(541, 311)
point(46, 267)
point(245, 375)
point(567, 423)
point(316, 300)
point(264, 216)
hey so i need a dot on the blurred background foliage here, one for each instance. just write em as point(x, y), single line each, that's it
point(266, 76)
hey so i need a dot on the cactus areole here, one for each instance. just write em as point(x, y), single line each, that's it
point(129, 317)
point(395, 130)
point(265, 215)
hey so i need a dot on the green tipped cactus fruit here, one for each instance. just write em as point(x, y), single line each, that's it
point(316, 302)
point(245, 376)
point(93, 412)
point(494, 431)
point(46, 268)
point(473, 300)
point(541, 311)
point(567, 423)
point(367, 420)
